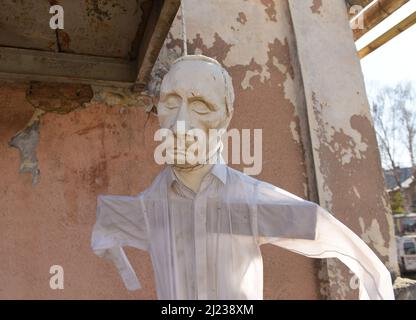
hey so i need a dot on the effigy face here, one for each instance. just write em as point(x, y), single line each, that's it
point(195, 103)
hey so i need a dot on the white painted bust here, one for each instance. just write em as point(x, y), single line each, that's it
point(203, 223)
point(201, 100)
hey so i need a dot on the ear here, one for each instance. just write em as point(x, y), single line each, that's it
point(227, 120)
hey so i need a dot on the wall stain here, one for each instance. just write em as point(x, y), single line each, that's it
point(96, 176)
point(316, 6)
point(63, 99)
point(352, 188)
point(270, 9)
point(101, 10)
point(64, 41)
point(27, 141)
point(59, 98)
point(213, 52)
point(241, 18)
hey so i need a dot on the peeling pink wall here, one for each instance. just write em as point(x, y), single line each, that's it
point(98, 149)
point(106, 147)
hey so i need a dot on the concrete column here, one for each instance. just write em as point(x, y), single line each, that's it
point(346, 158)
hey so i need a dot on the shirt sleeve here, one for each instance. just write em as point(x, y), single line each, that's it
point(120, 222)
point(331, 239)
point(281, 214)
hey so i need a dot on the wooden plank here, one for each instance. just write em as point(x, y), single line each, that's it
point(387, 36)
point(375, 14)
point(162, 15)
point(20, 64)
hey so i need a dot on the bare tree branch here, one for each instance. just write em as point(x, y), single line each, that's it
point(405, 104)
point(394, 113)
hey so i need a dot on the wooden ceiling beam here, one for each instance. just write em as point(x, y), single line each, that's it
point(375, 14)
point(387, 36)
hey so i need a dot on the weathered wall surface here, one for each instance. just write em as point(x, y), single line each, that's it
point(89, 141)
point(346, 157)
point(93, 149)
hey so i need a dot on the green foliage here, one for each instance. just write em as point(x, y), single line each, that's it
point(397, 202)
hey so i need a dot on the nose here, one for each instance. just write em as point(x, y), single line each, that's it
point(182, 120)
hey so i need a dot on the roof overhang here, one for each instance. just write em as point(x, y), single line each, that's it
point(103, 42)
point(371, 15)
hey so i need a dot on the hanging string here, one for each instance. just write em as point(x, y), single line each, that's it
point(185, 45)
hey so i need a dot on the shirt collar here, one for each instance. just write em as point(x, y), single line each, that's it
point(219, 170)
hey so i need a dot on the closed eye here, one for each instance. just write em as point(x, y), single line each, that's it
point(200, 107)
point(172, 101)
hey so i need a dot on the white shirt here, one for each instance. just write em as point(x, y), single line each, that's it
point(206, 245)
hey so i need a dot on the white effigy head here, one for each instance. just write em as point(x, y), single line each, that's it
point(196, 98)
